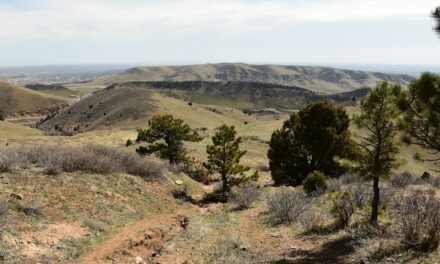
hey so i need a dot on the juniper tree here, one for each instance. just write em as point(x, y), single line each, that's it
point(378, 121)
point(224, 157)
point(309, 141)
point(166, 136)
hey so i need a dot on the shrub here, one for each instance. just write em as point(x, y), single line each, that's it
point(286, 205)
point(360, 194)
point(128, 143)
point(315, 182)
point(91, 158)
point(334, 185)
point(343, 209)
point(403, 180)
point(349, 178)
point(8, 160)
point(418, 220)
point(245, 194)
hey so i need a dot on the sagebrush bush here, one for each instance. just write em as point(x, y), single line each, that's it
point(286, 205)
point(245, 194)
point(418, 219)
point(315, 182)
point(90, 158)
point(8, 160)
point(343, 208)
point(402, 180)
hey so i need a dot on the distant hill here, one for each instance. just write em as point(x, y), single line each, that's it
point(16, 99)
point(319, 79)
point(244, 95)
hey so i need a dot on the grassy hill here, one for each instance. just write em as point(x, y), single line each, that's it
point(320, 79)
point(18, 99)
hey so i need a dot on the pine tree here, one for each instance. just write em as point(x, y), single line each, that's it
point(166, 136)
point(224, 157)
point(378, 119)
point(421, 108)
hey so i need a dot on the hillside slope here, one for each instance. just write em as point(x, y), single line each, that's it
point(104, 108)
point(320, 79)
point(15, 99)
point(244, 95)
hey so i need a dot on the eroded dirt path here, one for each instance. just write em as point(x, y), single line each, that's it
point(143, 239)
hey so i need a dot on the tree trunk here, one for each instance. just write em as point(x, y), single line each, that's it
point(375, 202)
point(225, 185)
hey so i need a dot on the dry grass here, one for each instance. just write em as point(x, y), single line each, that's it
point(93, 158)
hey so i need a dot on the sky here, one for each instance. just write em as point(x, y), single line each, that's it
point(172, 32)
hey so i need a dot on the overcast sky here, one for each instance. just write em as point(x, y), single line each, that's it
point(150, 32)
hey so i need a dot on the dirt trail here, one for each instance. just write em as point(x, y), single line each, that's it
point(122, 244)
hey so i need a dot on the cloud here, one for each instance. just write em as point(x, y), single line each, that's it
point(122, 19)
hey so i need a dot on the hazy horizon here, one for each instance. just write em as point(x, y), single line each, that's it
point(183, 32)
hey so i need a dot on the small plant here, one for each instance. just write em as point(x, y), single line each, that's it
point(245, 194)
point(343, 209)
point(128, 143)
point(315, 182)
point(286, 205)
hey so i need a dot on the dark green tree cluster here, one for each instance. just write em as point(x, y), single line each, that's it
point(310, 141)
point(166, 136)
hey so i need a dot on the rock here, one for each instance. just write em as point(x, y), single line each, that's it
point(243, 248)
point(179, 182)
point(16, 196)
point(138, 260)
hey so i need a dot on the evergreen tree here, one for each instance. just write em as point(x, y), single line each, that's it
point(224, 157)
point(309, 141)
point(166, 137)
point(378, 119)
point(436, 15)
point(421, 108)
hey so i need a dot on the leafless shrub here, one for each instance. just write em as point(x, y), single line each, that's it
point(343, 209)
point(286, 205)
point(402, 180)
point(92, 158)
point(8, 160)
point(378, 248)
point(349, 178)
point(360, 194)
point(246, 194)
point(387, 193)
point(418, 220)
point(313, 220)
point(334, 185)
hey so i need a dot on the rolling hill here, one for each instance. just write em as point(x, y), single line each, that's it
point(319, 79)
point(130, 104)
point(15, 99)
